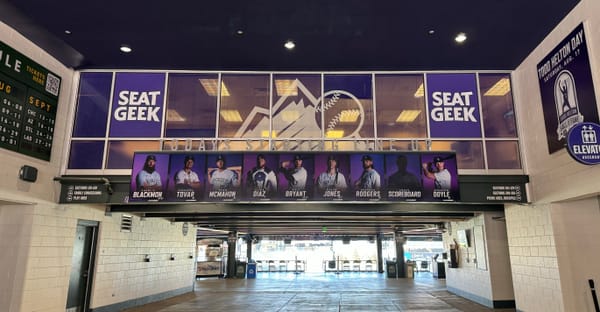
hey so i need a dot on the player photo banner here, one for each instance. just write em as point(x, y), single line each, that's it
point(567, 89)
point(289, 176)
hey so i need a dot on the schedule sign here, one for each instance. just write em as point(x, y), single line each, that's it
point(28, 100)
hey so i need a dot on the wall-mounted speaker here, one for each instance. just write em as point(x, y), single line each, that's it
point(28, 173)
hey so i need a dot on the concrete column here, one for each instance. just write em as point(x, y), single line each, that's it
point(231, 241)
point(400, 240)
point(379, 254)
point(249, 248)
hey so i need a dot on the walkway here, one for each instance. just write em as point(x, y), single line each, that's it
point(318, 292)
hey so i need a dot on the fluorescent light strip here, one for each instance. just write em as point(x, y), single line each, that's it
point(286, 87)
point(334, 134)
point(173, 115)
point(420, 91)
point(210, 86)
point(501, 88)
point(231, 115)
point(408, 115)
point(265, 134)
point(349, 115)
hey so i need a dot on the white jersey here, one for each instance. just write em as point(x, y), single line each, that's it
point(226, 179)
point(148, 180)
point(183, 178)
point(370, 179)
point(443, 179)
point(328, 181)
point(298, 181)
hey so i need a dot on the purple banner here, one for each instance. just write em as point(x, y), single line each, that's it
point(186, 177)
point(440, 177)
point(137, 107)
point(453, 106)
point(567, 89)
point(306, 176)
point(149, 177)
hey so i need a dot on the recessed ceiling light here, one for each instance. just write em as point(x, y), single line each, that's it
point(68, 32)
point(125, 49)
point(289, 45)
point(460, 38)
point(431, 32)
point(240, 32)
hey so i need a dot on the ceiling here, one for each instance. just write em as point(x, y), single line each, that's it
point(330, 35)
point(314, 219)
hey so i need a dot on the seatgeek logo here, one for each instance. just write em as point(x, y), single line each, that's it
point(453, 106)
point(135, 105)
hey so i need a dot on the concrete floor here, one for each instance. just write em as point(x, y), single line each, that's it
point(318, 292)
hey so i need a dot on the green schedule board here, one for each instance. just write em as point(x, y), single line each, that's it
point(28, 99)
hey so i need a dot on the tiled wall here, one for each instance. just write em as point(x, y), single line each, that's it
point(37, 244)
point(484, 285)
point(122, 274)
point(576, 234)
point(533, 258)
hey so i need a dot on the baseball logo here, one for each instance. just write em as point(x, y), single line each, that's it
point(351, 110)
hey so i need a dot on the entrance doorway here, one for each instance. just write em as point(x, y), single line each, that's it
point(314, 255)
point(82, 265)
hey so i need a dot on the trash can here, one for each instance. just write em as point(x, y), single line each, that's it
point(410, 269)
point(390, 267)
point(251, 270)
point(240, 269)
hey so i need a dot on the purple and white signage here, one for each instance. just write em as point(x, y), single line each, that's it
point(583, 143)
point(137, 107)
point(567, 89)
point(453, 106)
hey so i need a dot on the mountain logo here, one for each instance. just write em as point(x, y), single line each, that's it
point(302, 116)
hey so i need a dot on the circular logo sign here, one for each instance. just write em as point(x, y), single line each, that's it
point(583, 144)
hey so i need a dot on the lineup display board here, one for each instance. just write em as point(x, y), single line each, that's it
point(28, 99)
point(289, 176)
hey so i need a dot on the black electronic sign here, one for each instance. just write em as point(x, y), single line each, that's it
point(28, 101)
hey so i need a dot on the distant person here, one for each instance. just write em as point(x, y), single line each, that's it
point(186, 178)
point(332, 179)
point(222, 178)
point(296, 176)
point(441, 177)
point(148, 179)
point(369, 179)
point(261, 177)
point(402, 179)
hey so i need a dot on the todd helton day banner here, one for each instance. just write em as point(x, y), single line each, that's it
point(567, 89)
point(288, 176)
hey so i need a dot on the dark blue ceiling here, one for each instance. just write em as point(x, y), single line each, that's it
point(330, 35)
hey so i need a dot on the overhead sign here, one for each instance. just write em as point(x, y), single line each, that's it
point(305, 176)
point(453, 106)
point(583, 144)
point(567, 89)
point(137, 108)
point(28, 102)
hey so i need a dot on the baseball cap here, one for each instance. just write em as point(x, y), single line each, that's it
point(188, 157)
point(366, 157)
point(220, 157)
point(259, 156)
point(331, 157)
point(297, 157)
point(437, 159)
point(150, 157)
